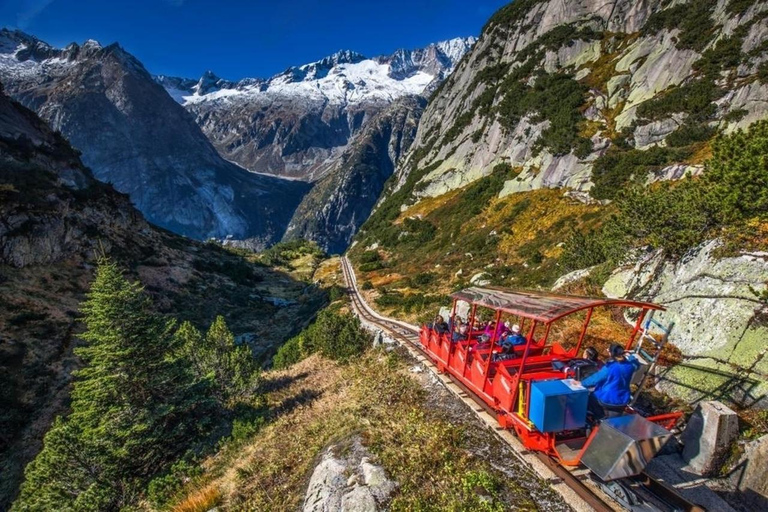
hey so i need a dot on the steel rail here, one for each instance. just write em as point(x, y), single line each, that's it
point(408, 334)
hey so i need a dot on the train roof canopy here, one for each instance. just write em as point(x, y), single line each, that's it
point(541, 306)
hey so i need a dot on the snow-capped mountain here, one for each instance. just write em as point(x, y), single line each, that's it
point(297, 123)
point(133, 135)
point(346, 77)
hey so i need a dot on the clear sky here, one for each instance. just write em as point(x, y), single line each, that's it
point(240, 38)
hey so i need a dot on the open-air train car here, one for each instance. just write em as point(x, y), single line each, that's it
point(532, 387)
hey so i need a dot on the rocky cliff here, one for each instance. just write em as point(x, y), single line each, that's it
point(298, 123)
point(568, 91)
point(133, 135)
point(339, 203)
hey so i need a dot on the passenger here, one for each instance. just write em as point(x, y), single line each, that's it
point(439, 325)
point(611, 391)
point(460, 332)
point(590, 354)
point(513, 339)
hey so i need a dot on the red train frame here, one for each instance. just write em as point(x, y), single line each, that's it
point(505, 385)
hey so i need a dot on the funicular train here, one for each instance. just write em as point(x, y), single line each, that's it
point(533, 388)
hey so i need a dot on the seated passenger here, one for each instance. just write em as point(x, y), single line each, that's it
point(611, 391)
point(439, 325)
point(460, 332)
point(590, 354)
point(513, 339)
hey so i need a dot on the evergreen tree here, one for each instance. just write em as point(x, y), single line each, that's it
point(230, 368)
point(133, 406)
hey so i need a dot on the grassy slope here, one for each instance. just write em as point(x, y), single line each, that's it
point(404, 419)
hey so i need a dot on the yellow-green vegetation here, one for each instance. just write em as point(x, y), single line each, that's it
point(318, 402)
point(437, 245)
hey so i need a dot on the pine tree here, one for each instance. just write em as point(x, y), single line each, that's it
point(230, 368)
point(134, 406)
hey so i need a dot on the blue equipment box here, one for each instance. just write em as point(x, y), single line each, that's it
point(557, 405)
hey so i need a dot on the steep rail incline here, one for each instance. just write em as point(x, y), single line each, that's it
point(574, 484)
point(571, 485)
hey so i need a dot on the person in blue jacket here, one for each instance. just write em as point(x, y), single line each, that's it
point(611, 383)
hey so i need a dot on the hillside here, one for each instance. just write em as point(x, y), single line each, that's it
point(597, 147)
point(338, 204)
point(55, 220)
point(133, 135)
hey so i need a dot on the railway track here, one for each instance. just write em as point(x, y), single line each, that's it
point(642, 493)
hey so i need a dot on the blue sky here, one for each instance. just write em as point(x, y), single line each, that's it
point(238, 38)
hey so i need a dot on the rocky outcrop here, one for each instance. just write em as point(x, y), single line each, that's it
point(624, 54)
point(720, 324)
point(336, 207)
point(346, 480)
point(134, 136)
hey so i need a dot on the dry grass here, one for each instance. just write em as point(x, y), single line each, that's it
point(200, 501)
point(427, 205)
point(328, 272)
point(320, 403)
point(546, 215)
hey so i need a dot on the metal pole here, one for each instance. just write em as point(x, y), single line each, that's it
point(469, 337)
point(583, 332)
point(636, 329)
point(490, 351)
point(453, 318)
point(527, 348)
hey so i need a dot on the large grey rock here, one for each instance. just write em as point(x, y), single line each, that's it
point(753, 482)
point(719, 323)
point(359, 499)
point(707, 438)
point(348, 482)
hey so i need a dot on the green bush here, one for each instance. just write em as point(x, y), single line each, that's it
point(679, 216)
point(367, 285)
point(289, 353)
point(369, 257)
point(614, 169)
point(167, 488)
point(337, 336)
point(336, 292)
point(423, 279)
point(370, 267)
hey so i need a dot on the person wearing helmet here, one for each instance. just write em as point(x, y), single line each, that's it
point(611, 391)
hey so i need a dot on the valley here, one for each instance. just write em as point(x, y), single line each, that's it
point(596, 148)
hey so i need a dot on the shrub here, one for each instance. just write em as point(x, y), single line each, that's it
point(369, 257)
point(289, 353)
point(367, 285)
point(423, 279)
point(615, 168)
point(679, 216)
point(337, 336)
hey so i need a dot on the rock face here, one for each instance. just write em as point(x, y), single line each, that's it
point(348, 483)
point(338, 204)
point(708, 436)
point(298, 123)
point(133, 135)
point(552, 85)
point(753, 483)
point(720, 325)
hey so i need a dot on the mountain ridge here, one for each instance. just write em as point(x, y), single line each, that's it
point(131, 134)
